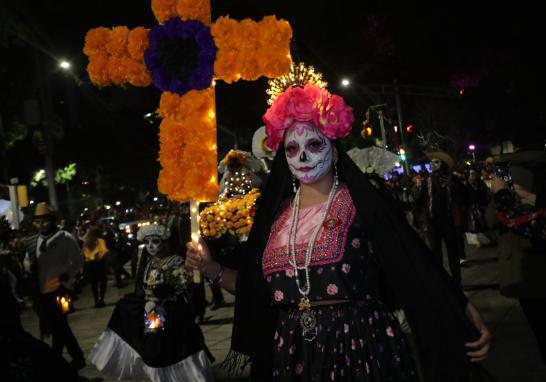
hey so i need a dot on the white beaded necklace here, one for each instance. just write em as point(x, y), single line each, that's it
point(304, 302)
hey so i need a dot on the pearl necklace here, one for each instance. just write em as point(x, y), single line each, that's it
point(304, 301)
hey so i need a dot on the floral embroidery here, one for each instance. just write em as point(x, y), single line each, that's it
point(331, 289)
point(355, 243)
point(289, 273)
point(279, 295)
point(345, 328)
point(299, 368)
point(390, 333)
point(329, 246)
point(346, 268)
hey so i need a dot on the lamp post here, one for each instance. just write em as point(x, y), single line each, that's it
point(472, 148)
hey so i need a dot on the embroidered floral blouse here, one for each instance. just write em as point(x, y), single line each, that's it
point(342, 263)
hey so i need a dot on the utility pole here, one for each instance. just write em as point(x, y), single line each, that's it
point(400, 121)
point(38, 113)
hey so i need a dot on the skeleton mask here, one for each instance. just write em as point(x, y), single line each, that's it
point(435, 164)
point(153, 244)
point(309, 153)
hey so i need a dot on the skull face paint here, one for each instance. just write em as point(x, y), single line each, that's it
point(309, 153)
point(153, 244)
point(435, 164)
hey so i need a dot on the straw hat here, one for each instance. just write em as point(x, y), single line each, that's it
point(443, 156)
point(42, 209)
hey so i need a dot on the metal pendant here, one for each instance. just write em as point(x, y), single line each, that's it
point(304, 303)
point(308, 323)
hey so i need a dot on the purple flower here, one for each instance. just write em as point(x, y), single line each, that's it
point(181, 56)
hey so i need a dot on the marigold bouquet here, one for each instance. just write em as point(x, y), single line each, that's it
point(233, 215)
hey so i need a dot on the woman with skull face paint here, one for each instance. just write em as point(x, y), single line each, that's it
point(328, 259)
point(152, 331)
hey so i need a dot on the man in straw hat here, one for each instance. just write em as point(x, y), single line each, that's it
point(436, 195)
point(54, 258)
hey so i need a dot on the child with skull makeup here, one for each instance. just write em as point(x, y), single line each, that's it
point(153, 329)
point(328, 259)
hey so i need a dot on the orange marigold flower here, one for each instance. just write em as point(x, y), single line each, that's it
point(194, 10)
point(274, 32)
point(97, 69)
point(224, 31)
point(138, 42)
point(247, 35)
point(163, 9)
point(95, 41)
point(249, 65)
point(117, 45)
point(226, 66)
point(137, 73)
point(116, 70)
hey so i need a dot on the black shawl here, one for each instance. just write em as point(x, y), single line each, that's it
point(434, 304)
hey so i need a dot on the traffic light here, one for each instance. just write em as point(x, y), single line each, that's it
point(409, 128)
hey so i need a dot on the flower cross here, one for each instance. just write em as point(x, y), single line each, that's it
point(182, 56)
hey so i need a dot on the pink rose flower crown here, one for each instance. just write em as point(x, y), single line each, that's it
point(332, 116)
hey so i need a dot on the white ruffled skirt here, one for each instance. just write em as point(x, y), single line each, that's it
point(117, 359)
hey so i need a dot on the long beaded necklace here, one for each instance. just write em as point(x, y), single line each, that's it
point(308, 320)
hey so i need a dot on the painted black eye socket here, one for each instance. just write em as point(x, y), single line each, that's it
point(291, 148)
point(315, 144)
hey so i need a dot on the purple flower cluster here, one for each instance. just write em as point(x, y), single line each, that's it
point(181, 56)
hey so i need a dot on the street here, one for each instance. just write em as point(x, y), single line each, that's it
point(514, 355)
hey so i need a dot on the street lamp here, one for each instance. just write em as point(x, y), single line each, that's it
point(472, 148)
point(345, 82)
point(64, 65)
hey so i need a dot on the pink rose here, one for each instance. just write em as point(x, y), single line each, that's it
point(355, 243)
point(346, 268)
point(278, 295)
point(302, 104)
point(331, 289)
point(298, 369)
point(289, 273)
point(336, 119)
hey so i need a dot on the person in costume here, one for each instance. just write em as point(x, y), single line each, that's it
point(53, 260)
point(438, 218)
point(328, 259)
point(152, 331)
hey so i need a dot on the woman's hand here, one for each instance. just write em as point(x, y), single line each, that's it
point(478, 350)
point(198, 258)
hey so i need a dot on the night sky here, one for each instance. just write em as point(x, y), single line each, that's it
point(493, 54)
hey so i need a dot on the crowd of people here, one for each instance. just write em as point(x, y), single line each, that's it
point(338, 265)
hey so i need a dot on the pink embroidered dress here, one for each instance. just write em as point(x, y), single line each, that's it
point(354, 341)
